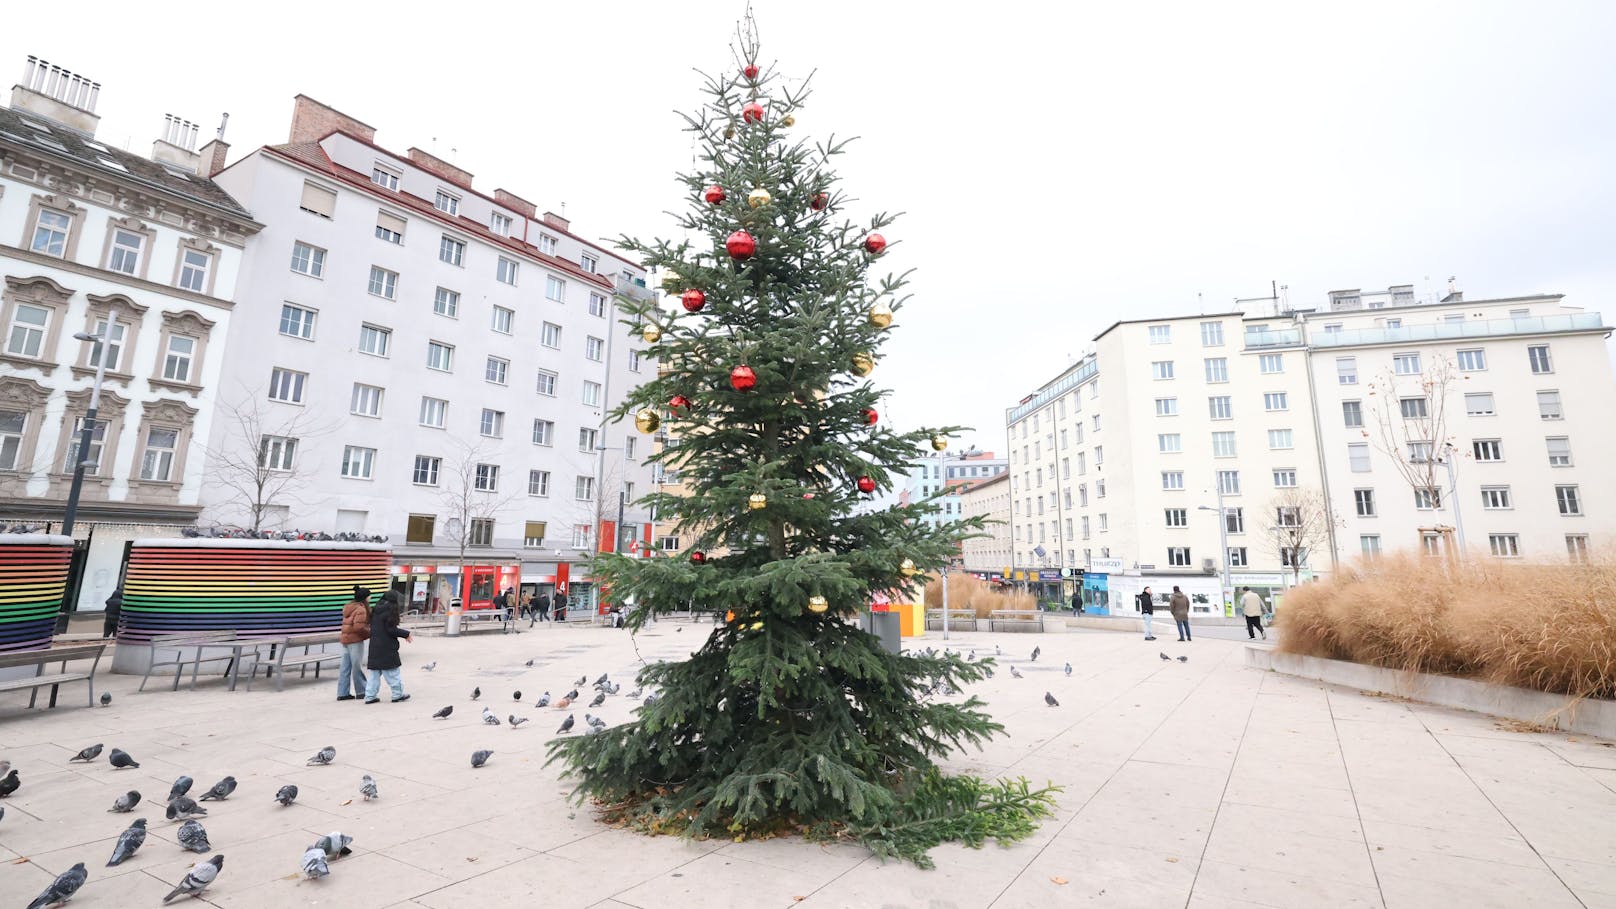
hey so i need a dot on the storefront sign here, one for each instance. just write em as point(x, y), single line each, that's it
point(1106, 566)
point(1049, 574)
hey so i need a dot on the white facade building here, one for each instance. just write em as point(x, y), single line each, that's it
point(95, 239)
point(951, 472)
point(990, 500)
point(402, 337)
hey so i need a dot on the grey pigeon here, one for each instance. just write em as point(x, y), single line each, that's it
point(489, 718)
point(477, 692)
point(314, 863)
point(221, 790)
point(544, 700)
point(1050, 700)
point(1165, 657)
point(601, 680)
point(430, 666)
point(530, 664)
point(571, 695)
point(325, 756)
point(193, 837)
point(184, 808)
point(1014, 673)
point(612, 688)
point(9, 784)
point(997, 651)
point(566, 725)
point(650, 699)
point(1035, 652)
point(88, 754)
point(126, 802)
point(128, 842)
point(444, 713)
point(1068, 670)
point(635, 694)
point(286, 795)
point(197, 879)
point(181, 787)
point(581, 679)
point(479, 758)
point(121, 759)
point(62, 889)
point(515, 720)
point(335, 844)
point(516, 695)
point(599, 700)
point(1182, 659)
point(595, 722)
point(106, 699)
point(367, 788)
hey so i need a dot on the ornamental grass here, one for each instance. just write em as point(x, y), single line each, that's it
point(967, 591)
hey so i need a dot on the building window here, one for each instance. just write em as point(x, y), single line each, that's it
point(597, 305)
point(1099, 493)
point(115, 333)
point(50, 233)
point(1220, 407)
point(446, 302)
point(550, 335)
point(505, 272)
point(12, 425)
point(1369, 544)
point(26, 335)
point(1285, 478)
point(500, 223)
point(1413, 408)
point(286, 385)
point(1161, 334)
point(1223, 445)
point(1172, 479)
point(317, 200)
point(383, 283)
point(1275, 401)
point(357, 462)
point(1292, 557)
point(492, 423)
point(1270, 364)
point(543, 432)
point(583, 489)
point(1504, 545)
point(1169, 442)
point(297, 322)
point(1472, 360)
point(384, 178)
point(496, 371)
point(628, 447)
point(277, 453)
point(547, 244)
point(595, 349)
point(1559, 451)
point(1577, 548)
point(194, 267)
point(1427, 498)
point(1487, 449)
point(1279, 439)
point(390, 228)
point(308, 260)
point(92, 455)
point(555, 289)
point(374, 340)
point(177, 359)
point(1352, 414)
point(1539, 357)
point(586, 439)
point(588, 263)
point(366, 400)
point(1420, 452)
point(1569, 499)
point(533, 533)
point(1406, 364)
point(434, 412)
point(1346, 370)
point(503, 319)
point(1494, 498)
point(1364, 499)
point(1287, 516)
point(1479, 404)
point(439, 356)
point(446, 203)
point(482, 532)
point(157, 464)
point(452, 251)
point(125, 254)
point(1358, 456)
point(420, 528)
point(1166, 407)
point(1211, 334)
point(633, 360)
point(591, 395)
point(1548, 405)
point(1217, 370)
point(1229, 482)
point(1177, 517)
point(485, 478)
point(547, 383)
point(580, 536)
point(538, 483)
point(1237, 557)
point(668, 544)
point(1178, 556)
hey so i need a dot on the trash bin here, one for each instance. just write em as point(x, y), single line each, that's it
point(451, 626)
point(886, 626)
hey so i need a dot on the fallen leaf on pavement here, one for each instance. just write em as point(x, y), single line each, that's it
point(1172, 858)
point(1058, 880)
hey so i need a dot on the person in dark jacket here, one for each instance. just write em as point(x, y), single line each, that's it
point(1180, 605)
point(109, 626)
point(559, 605)
point(1147, 609)
point(384, 659)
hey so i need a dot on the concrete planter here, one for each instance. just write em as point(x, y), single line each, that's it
point(1588, 717)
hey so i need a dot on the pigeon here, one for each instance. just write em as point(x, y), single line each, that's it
point(479, 758)
point(595, 722)
point(601, 680)
point(530, 664)
point(128, 842)
point(125, 803)
point(612, 688)
point(193, 837)
point(489, 718)
point(185, 808)
point(581, 679)
point(314, 863)
point(430, 666)
point(635, 694)
point(1068, 670)
point(181, 787)
point(572, 695)
point(563, 703)
point(599, 700)
point(679, 629)
point(367, 788)
point(1165, 657)
point(650, 699)
point(477, 692)
point(444, 713)
point(87, 755)
point(1182, 659)
point(516, 721)
point(334, 844)
point(9, 784)
point(106, 699)
point(566, 725)
point(971, 655)
point(62, 889)
point(5, 767)
point(221, 790)
point(197, 879)
point(544, 700)
point(325, 756)
point(120, 759)
point(1035, 652)
point(1014, 673)
point(286, 795)
point(997, 650)
point(1050, 700)
point(516, 695)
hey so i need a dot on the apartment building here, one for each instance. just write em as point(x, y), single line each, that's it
point(950, 472)
point(989, 555)
point(101, 242)
point(417, 358)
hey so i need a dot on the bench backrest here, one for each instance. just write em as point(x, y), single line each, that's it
point(56, 655)
point(1009, 613)
point(191, 637)
point(310, 640)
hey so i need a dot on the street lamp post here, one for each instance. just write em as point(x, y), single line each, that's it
point(1453, 495)
point(70, 514)
point(1223, 543)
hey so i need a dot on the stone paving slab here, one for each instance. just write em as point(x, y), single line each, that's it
point(1202, 784)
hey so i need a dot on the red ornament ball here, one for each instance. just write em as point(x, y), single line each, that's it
point(679, 402)
point(698, 557)
point(819, 201)
point(693, 300)
point(715, 194)
point(870, 416)
point(866, 485)
point(740, 245)
point(742, 378)
point(874, 244)
point(751, 71)
point(752, 112)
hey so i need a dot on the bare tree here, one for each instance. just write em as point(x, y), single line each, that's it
point(260, 459)
point(1299, 521)
point(1410, 414)
point(473, 497)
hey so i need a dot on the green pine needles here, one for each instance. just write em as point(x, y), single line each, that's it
point(786, 719)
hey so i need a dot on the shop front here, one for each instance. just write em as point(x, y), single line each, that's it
point(432, 587)
point(1096, 592)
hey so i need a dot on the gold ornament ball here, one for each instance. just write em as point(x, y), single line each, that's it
point(758, 198)
point(671, 281)
point(939, 443)
point(757, 626)
point(757, 501)
point(880, 315)
point(818, 604)
point(647, 420)
point(788, 120)
point(651, 334)
point(729, 132)
point(907, 568)
point(863, 363)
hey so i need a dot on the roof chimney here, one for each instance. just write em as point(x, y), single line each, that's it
point(556, 221)
point(1454, 294)
point(433, 164)
point(58, 95)
point(177, 144)
point(313, 121)
point(211, 159)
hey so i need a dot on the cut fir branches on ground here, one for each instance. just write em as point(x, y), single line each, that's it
point(788, 717)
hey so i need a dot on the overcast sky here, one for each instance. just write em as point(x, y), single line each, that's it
point(1061, 165)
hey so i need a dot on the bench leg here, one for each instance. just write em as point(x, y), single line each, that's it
point(54, 689)
point(90, 683)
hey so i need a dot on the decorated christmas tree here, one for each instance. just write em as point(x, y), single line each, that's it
point(789, 717)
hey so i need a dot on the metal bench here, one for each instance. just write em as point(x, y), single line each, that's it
point(285, 659)
point(958, 619)
point(1015, 620)
point(194, 642)
point(39, 659)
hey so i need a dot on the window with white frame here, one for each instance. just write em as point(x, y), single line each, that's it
point(308, 260)
point(538, 482)
point(543, 432)
point(1270, 364)
point(1279, 439)
point(112, 351)
point(555, 289)
point(1237, 557)
point(485, 478)
point(628, 447)
point(597, 305)
point(1287, 516)
point(633, 360)
point(1427, 498)
point(318, 200)
point(178, 358)
point(583, 489)
point(1234, 520)
point(297, 321)
point(1169, 442)
point(594, 349)
point(358, 462)
point(1099, 455)
point(580, 536)
point(434, 412)
point(375, 340)
point(1364, 501)
point(500, 223)
point(1479, 404)
point(194, 266)
point(124, 256)
point(1504, 545)
point(1211, 334)
point(446, 302)
point(1414, 408)
point(439, 356)
point(1358, 457)
point(1487, 449)
point(1176, 517)
point(384, 177)
point(1178, 556)
point(1420, 452)
point(505, 271)
point(547, 244)
point(1217, 370)
point(1569, 499)
point(591, 395)
point(1223, 445)
point(503, 320)
point(12, 425)
point(586, 439)
point(1406, 364)
point(1577, 548)
point(1369, 545)
point(1161, 334)
point(1165, 407)
point(1559, 451)
point(1274, 401)
point(1548, 405)
point(452, 251)
point(1495, 498)
point(1352, 414)
point(446, 203)
point(588, 262)
point(1220, 407)
point(550, 335)
point(383, 283)
point(547, 383)
point(1161, 369)
point(286, 385)
point(1285, 478)
point(277, 453)
point(1538, 356)
point(1292, 557)
point(50, 233)
point(157, 462)
point(1229, 482)
point(25, 337)
point(1172, 479)
point(1472, 360)
point(1346, 370)
point(390, 228)
point(426, 470)
point(497, 370)
point(533, 531)
point(366, 400)
point(492, 423)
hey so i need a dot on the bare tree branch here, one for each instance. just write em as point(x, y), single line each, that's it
point(240, 462)
point(1298, 522)
point(1411, 421)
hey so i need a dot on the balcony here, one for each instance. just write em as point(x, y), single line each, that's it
point(1264, 340)
point(1453, 331)
point(634, 290)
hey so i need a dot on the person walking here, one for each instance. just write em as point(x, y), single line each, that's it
point(1180, 605)
point(384, 659)
point(355, 631)
point(1147, 609)
point(109, 624)
point(1251, 605)
point(559, 607)
point(1077, 602)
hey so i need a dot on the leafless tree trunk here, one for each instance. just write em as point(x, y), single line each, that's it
point(471, 494)
point(1299, 521)
point(258, 472)
point(1410, 415)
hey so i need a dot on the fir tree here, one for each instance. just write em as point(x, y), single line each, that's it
point(788, 717)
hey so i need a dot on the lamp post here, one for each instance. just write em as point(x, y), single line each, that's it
point(1449, 455)
point(70, 513)
point(1223, 543)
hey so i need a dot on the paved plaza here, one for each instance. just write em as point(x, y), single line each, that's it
point(1200, 784)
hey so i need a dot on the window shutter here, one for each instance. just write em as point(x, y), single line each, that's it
point(389, 222)
point(319, 200)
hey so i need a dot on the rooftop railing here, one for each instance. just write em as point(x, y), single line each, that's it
point(1449, 331)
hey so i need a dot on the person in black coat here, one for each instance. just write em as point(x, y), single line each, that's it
point(384, 659)
point(109, 626)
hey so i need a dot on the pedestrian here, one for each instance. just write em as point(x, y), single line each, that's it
point(1180, 605)
point(109, 624)
point(544, 607)
point(355, 631)
point(1147, 609)
point(527, 606)
point(559, 607)
point(384, 660)
point(1077, 602)
point(1251, 605)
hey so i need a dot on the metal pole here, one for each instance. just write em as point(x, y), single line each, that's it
point(617, 542)
point(72, 510)
point(1453, 493)
point(1223, 541)
point(942, 456)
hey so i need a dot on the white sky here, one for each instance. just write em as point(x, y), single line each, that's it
point(1061, 165)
